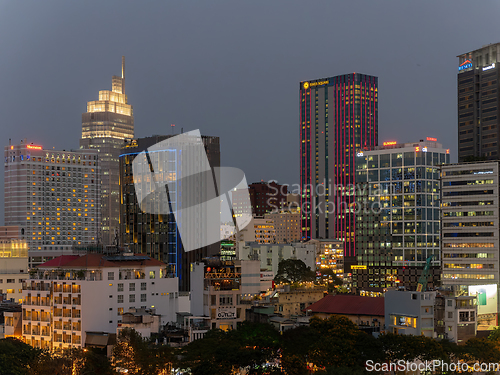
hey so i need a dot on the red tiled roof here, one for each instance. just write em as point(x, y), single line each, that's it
point(60, 261)
point(98, 260)
point(349, 305)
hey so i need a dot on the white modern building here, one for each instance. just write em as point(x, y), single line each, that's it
point(53, 197)
point(470, 232)
point(72, 295)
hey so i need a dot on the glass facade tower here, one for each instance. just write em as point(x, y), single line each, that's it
point(398, 220)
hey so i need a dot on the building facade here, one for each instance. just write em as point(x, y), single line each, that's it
point(470, 232)
point(265, 197)
point(106, 125)
point(53, 197)
point(219, 288)
point(13, 268)
point(455, 317)
point(294, 303)
point(158, 235)
point(478, 100)
point(329, 256)
point(72, 295)
point(398, 221)
point(264, 230)
point(410, 313)
point(270, 255)
point(338, 118)
point(286, 225)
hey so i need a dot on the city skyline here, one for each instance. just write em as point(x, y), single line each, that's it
point(230, 70)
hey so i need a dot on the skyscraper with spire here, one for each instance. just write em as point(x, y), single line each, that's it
point(107, 123)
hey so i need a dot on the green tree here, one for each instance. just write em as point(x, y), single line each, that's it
point(215, 353)
point(16, 357)
point(140, 356)
point(293, 271)
point(338, 343)
point(494, 335)
point(482, 350)
point(250, 347)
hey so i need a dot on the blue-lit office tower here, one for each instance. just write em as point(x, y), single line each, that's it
point(158, 235)
point(398, 214)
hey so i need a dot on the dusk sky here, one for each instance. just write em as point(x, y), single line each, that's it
point(232, 68)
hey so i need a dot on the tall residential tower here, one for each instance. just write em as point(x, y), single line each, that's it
point(106, 125)
point(338, 117)
point(478, 101)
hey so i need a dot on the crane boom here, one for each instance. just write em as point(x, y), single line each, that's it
point(422, 281)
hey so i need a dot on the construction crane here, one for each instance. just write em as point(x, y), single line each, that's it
point(422, 281)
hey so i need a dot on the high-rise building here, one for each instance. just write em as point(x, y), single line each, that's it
point(265, 197)
point(338, 117)
point(478, 104)
point(398, 217)
point(158, 235)
point(470, 232)
point(53, 197)
point(106, 125)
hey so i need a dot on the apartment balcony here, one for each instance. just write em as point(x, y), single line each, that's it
point(38, 286)
point(67, 327)
point(76, 301)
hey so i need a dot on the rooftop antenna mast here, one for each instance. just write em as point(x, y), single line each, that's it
point(123, 74)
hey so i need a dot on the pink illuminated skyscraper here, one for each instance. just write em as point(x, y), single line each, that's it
point(338, 118)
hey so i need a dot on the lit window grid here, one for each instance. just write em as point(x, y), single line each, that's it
point(56, 210)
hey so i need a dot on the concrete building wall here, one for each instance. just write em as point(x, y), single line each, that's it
point(410, 313)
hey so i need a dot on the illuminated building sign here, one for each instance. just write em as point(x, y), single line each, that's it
point(358, 267)
point(465, 65)
point(432, 139)
point(31, 147)
point(417, 149)
point(489, 67)
point(424, 149)
point(226, 313)
point(359, 154)
point(313, 84)
point(390, 143)
point(448, 151)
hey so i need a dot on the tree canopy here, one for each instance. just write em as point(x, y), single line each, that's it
point(293, 271)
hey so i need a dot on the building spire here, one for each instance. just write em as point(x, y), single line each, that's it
point(123, 74)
